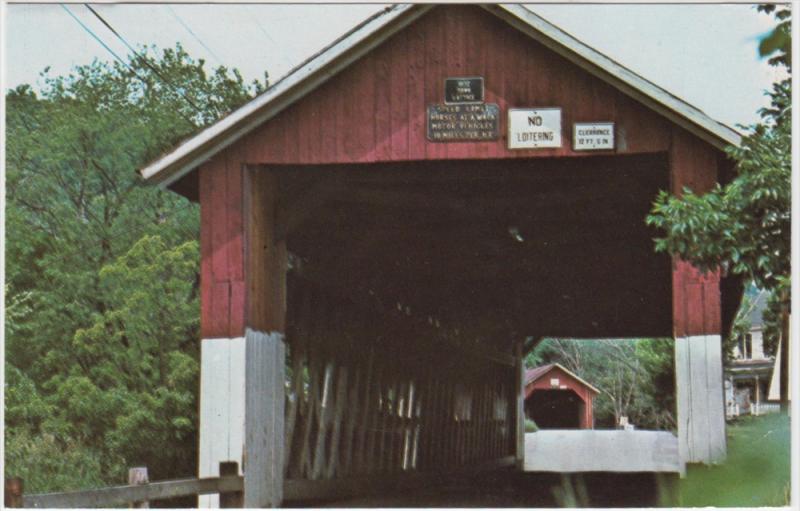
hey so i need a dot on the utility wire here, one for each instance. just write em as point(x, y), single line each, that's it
point(145, 61)
point(119, 59)
point(188, 29)
point(96, 38)
point(254, 19)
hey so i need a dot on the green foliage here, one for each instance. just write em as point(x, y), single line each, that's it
point(102, 271)
point(47, 465)
point(635, 377)
point(744, 226)
point(530, 426)
point(779, 40)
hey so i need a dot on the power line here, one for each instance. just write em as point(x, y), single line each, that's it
point(119, 59)
point(145, 61)
point(188, 29)
point(97, 38)
point(254, 19)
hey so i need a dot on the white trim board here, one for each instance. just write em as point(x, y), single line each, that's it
point(296, 84)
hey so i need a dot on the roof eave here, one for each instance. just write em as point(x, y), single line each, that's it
point(292, 87)
point(555, 365)
point(678, 111)
point(589, 385)
point(307, 77)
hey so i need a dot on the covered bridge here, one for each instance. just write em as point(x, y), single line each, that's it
point(557, 398)
point(414, 206)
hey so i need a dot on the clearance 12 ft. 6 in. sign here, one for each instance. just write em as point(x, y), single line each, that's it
point(534, 128)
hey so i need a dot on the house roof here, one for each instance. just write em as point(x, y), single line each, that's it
point(372, 32)
point(537, 373)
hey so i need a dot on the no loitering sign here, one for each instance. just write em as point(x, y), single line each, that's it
point(534, 128)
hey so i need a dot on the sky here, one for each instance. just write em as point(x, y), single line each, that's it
point(705, 54)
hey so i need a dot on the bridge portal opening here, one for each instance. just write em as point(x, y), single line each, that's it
point(555, 409)
point(412, 286)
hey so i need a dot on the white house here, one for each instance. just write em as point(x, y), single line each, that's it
point(748, 376)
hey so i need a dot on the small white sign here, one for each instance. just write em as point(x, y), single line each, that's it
point(554, 382)
point(534, 128)
point(592, 136)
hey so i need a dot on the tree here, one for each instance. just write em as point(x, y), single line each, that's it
point(744, 227)
point(104, 268)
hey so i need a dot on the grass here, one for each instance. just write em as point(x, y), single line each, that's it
point(756, 472)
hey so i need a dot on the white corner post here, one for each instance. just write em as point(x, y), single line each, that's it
point(241, 414)
point(264, 403)
point(221, 408)
point(700, 399)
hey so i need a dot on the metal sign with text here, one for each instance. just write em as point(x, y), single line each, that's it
point(592, 136)
point(452, 123)
point(468, 89)
point(534, 128)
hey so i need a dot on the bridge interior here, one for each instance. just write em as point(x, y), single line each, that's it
point(505, 248)
point(412, 286)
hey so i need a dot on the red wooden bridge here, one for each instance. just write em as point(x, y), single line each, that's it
point(391, 247)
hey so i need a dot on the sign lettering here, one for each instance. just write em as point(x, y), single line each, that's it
point(534, 128)
point(452, 123)
point(593, 136)
point(463, 90)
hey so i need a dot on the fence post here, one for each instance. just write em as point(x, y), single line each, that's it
point(138, 475)
point(13, 492)
point(230, 499)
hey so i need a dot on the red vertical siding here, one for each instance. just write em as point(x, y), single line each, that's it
point(375, 110)
point(328, 119)
point(382, 98)
point(377, 106)
point(398, 95)
point(416, 92)
point(696, 302)
point(222, 246)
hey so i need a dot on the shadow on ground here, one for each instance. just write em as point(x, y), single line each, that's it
point(513, 489)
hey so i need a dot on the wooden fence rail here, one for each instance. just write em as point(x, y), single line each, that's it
point(229, 487)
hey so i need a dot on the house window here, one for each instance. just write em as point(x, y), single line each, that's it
point(746, 346)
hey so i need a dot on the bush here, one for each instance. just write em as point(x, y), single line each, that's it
point(47, 464)
point(530, 426)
